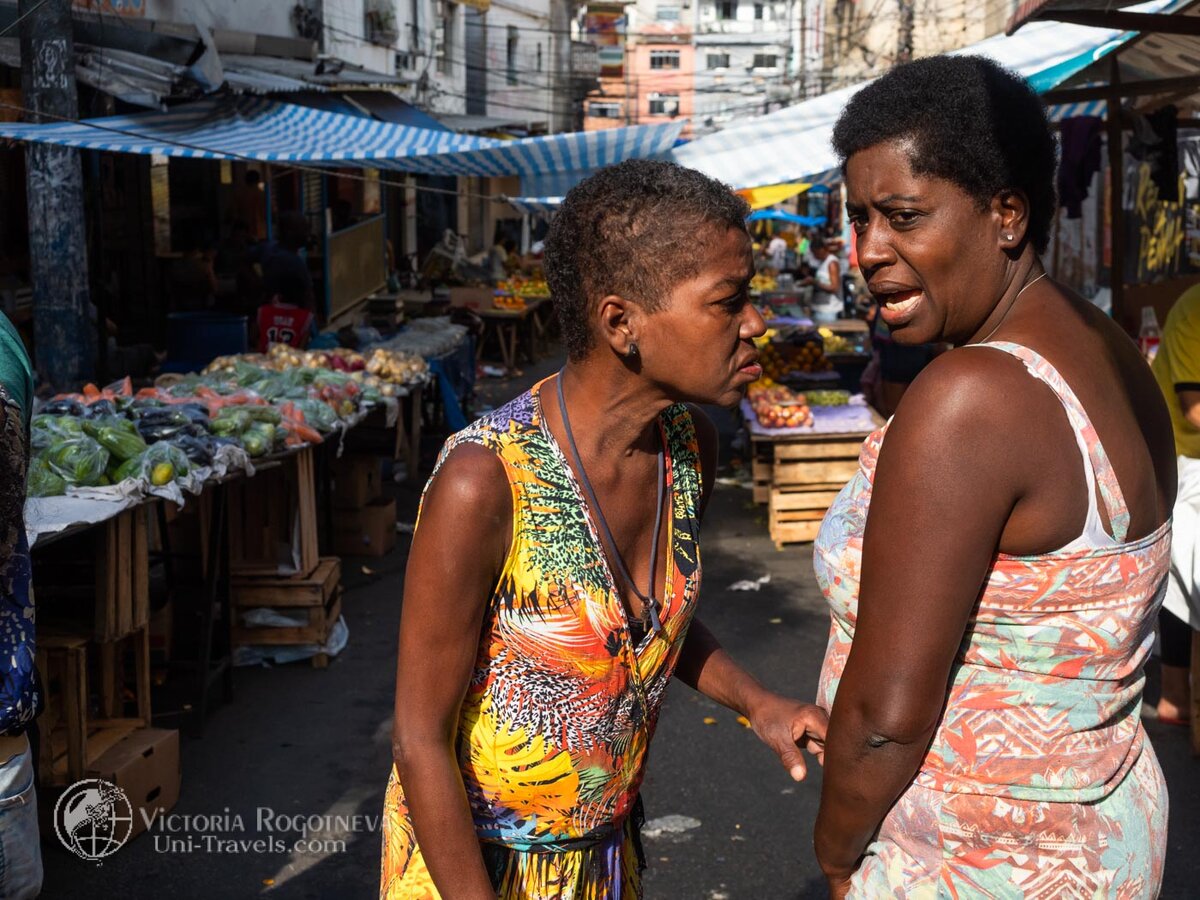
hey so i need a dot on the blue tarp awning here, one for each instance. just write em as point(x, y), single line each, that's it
point(793, 144)
point(252, 128)
point(777, 215)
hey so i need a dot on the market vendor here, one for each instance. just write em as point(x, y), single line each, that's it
point(282, 260)
point(1177, 368)
point(287, 317)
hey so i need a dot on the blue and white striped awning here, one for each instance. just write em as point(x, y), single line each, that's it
point(794, 144)
point(253, 128)
point(536, 206)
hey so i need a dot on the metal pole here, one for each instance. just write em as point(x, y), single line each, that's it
point(62, 333)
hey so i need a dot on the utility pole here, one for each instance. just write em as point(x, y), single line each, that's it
point(904, 48)
point(564, 90)
point(62, 331)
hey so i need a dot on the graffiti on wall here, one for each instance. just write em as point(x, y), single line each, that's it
point(1160, 226)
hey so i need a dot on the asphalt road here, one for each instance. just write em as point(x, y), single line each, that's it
point(303, 742)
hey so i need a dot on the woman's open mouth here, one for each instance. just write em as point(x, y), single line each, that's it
point(899, 307)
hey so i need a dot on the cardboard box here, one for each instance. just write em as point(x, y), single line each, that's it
point(145, 765)
point(369, 531)
point(357, 480)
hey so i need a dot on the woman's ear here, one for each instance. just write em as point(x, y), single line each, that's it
point(617, 323)
point(1010, 210)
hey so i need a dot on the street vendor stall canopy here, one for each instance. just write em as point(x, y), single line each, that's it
point(794, 144)
point(776, 215)
point(253, 128)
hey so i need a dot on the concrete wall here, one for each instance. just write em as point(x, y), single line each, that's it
point(528, 95)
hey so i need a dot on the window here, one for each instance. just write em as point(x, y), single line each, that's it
point(511, 55)
point(664, 59)
point(726, 9)
point(717, 61)
point(664, 104)
point(667, 14)
point(599, 109)
point(765, 61)
point(759, 11)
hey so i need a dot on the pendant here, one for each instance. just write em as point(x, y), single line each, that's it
point(655, 621)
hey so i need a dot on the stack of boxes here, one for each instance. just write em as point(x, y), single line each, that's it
point(364, 520)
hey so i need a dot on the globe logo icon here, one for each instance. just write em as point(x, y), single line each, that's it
point(93, 819)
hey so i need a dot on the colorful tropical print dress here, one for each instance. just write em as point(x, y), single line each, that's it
point(561, 706)
point(1039, 781)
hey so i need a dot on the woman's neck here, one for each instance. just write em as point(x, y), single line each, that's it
point(613, 412)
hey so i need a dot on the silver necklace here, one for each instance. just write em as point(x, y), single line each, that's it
point(984, 339)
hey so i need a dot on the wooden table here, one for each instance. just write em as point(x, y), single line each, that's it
point(506, 326)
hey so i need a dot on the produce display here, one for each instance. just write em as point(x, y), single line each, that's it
point(379, 372)
point(777, 406)
point(836, 343)
point(524, 286)
point(508, 301)
point(781, 353)
point(827, 398)
point(159, 435)
point(760, 283)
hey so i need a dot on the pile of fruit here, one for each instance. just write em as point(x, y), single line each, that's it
point(521, 286)
point(781, 355)
point(777, 406)
point(827, 398)
point(835, 343)
point(508, 301)
point(761, 283)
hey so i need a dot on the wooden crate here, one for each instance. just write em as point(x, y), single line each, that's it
point(761, 463)
point(273, 519)
point(321, 620)
point(314, 590)
point(77, 728)
point(806, 475)
point(123, 575)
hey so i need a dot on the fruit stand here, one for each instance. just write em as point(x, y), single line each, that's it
point(805, 434)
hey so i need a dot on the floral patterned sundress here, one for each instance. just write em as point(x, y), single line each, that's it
point(1039, 781)
point(557, 719)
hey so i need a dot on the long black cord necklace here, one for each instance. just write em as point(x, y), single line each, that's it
point(649, 604)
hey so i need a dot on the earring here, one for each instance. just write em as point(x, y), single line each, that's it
point(1008, 237)
point(632, 351)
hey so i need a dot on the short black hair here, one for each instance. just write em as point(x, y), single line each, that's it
point(971, 121)
point(632, 229)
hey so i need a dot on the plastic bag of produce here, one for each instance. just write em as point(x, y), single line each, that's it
point(163, 463)
point(77, 460)
point(318, 415)
point(230, 422)
point(43, 481)
point(118, 436)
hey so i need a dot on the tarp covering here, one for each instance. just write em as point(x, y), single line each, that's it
point(793, 144)
point(762, 197)
point(776, 215)
point(268, 131)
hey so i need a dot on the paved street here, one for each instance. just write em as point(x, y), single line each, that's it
point(311, 742)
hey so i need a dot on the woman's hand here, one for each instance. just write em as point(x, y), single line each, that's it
point(786, 725)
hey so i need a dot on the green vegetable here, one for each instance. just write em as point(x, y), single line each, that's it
point(131, 468)
point(43, 482)
point(256, 443)
point(230, 422)
point(120, 443)
point(78, 460)
point(160, 454)
point(268, 414)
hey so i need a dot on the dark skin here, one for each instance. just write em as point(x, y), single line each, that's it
point(697, 348)
point(979, 459)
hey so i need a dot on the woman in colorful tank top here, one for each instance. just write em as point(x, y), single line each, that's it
point(541, 623)
point(995, 567)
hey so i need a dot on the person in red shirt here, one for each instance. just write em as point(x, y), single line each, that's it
point(285, 318)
